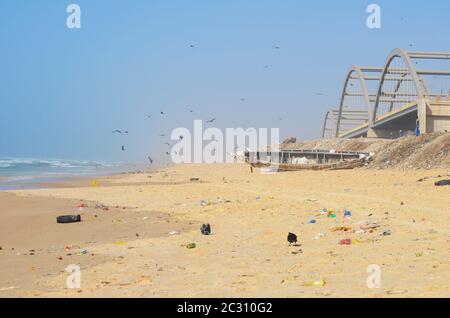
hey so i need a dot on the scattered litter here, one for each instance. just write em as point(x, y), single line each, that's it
point(442, 183)
point(310, 200)
point(312, 221)
point(347, 214)
point(194, 179)
point(258, 198)
point(419, 254)
point(341, 229)
point(95, 215)
point(191, 245)
point(386, 233)
point(84, 251)
point(174, 233)
point(206, 229)
point(120, 243)
point(95, 183)
point(68, 218)
point(345, 242)
point(221, 200)
point(319, 236)
point(81, 206)
point(331, 215)
point(145, 218)
point(205, 203)
point(317, 283)
point(368, 226)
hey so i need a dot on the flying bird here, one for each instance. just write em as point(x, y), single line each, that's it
point(162, 113)
point(276, 47)
point(181, 137)
point(117, 131)
point(123, 148)
point(150, 160)
point(211, 121)
point(149, 116)
point(162, 135)
point(167, 153)
point(192, 45)
point(292, 238)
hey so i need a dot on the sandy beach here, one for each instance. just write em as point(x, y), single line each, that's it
point(124, 248)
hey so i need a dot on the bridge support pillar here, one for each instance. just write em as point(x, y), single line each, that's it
point(422, 115)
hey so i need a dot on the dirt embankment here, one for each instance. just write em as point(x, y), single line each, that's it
point(410, 152)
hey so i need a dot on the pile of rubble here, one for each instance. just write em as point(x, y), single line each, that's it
point(410, 152)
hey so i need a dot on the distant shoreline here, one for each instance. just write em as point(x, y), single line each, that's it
point(17, 180)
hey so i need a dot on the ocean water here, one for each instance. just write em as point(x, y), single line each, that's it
point(29, 173)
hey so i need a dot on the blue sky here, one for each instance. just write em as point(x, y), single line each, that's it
point(63, 91)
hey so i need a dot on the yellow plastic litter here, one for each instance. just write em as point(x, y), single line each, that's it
point(318, 283)
point(120, 243)
point(95, 183)
point(341, 228)
point(191, 245)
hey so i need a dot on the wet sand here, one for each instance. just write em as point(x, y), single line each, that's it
point(247, 255)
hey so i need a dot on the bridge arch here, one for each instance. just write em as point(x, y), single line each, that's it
point(399, 85)
point(329, 124)
point(356, 102)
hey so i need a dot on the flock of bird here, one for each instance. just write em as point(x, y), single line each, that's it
point(162, 113)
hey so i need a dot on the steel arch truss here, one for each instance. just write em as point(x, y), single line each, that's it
point(329, 124)
point(358, 97)
point(403, 82)
point(370, 93)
